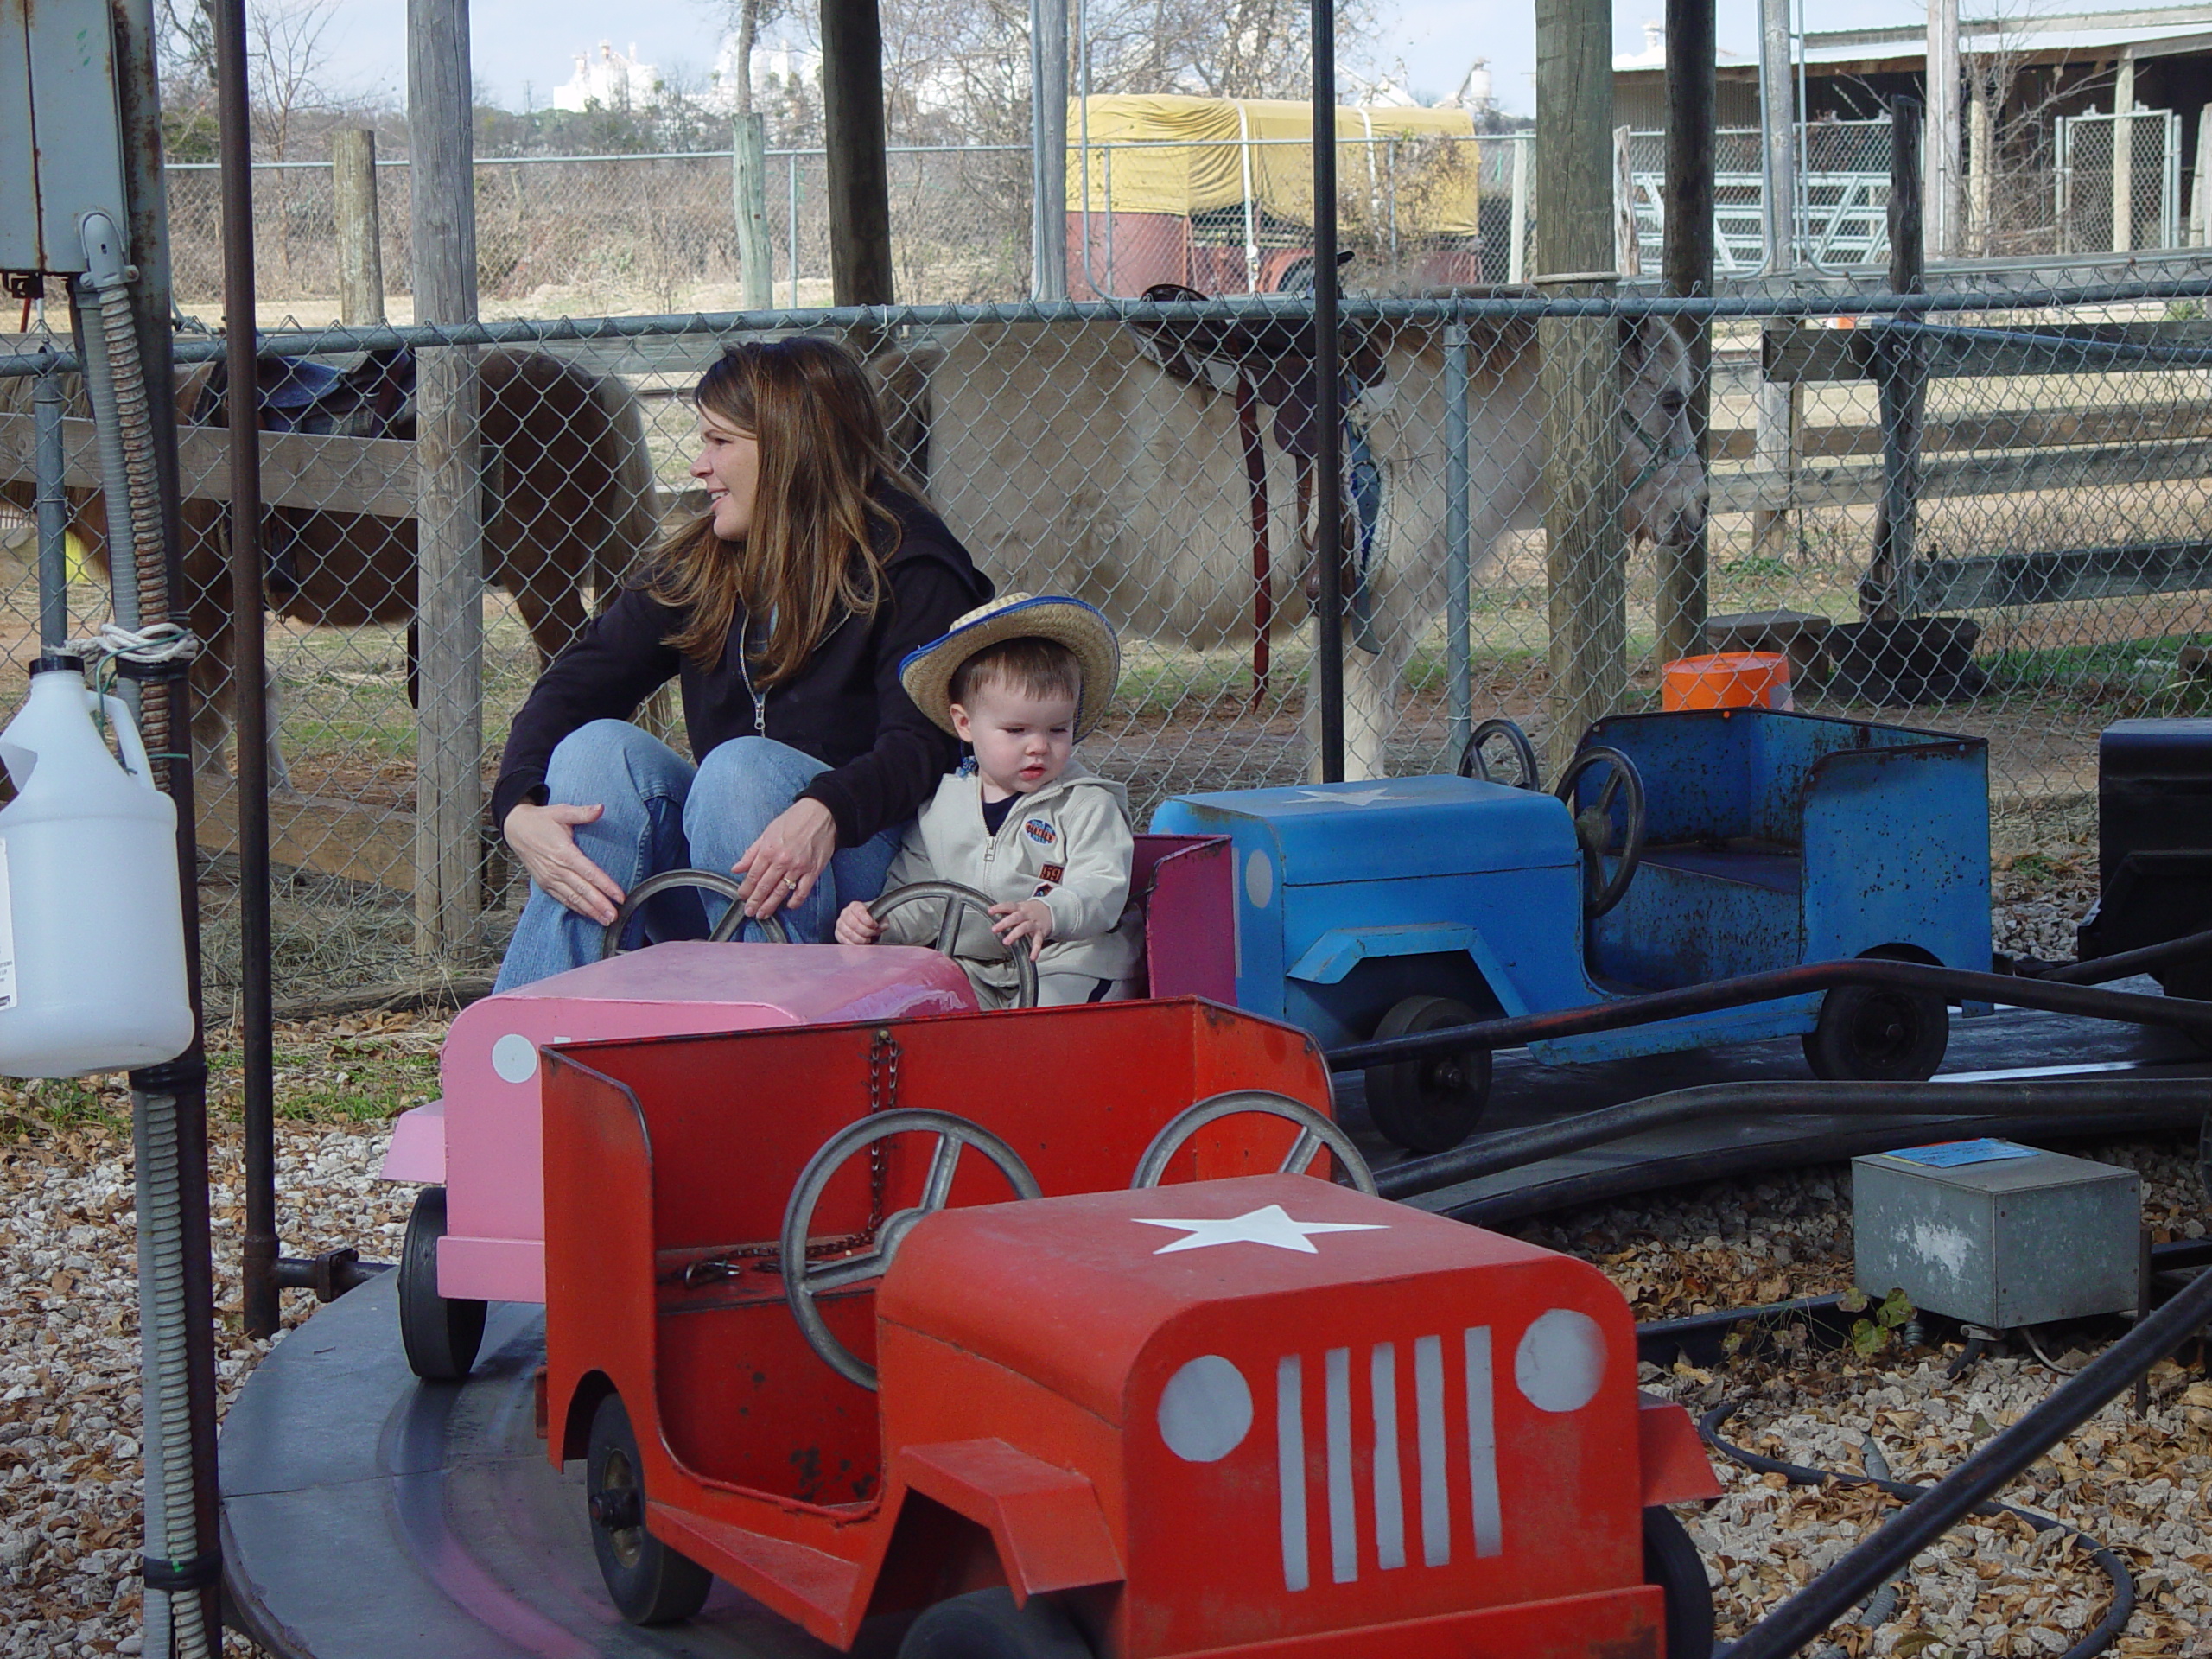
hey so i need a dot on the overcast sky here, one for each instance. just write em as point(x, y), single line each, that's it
point(527, 47)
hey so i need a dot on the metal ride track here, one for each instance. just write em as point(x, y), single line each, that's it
point(366, 1515)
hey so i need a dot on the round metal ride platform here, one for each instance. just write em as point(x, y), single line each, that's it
point(367, 1515)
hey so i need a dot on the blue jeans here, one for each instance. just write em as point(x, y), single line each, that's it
point(664, 814)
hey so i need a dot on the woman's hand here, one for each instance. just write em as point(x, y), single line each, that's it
point(782, 865)
point(544, 839)
point(1031, 920)
point(856, 926)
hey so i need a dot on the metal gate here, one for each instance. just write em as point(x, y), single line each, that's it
point(2115, 197)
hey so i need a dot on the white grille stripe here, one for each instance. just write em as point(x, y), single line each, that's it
point(1390, 1503)
point(1482, 1443)
point(1428, 1429)
point(1290, 1459)
point(1344, 1510)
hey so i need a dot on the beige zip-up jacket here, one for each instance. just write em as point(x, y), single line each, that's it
point(1068, 843)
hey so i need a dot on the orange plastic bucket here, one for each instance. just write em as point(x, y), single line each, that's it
point(1731, 679)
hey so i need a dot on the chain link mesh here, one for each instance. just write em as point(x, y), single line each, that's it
point(1156, 462)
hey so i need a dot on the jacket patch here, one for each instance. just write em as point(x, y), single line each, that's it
point(1054, 872)
point(1040, 831)
point(1044, 890)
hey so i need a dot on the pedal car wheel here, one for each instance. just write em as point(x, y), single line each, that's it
point(440, 1333)
point(986, 1624)
point(1315, 1132)
point(805, 1280)
point(1868, 1034)
point(956, 899)
point(1472, 764)
point(772, 931)
point(648, 1582)
point(1430, 1104)
point(1671, 1561)
point(1593, 826)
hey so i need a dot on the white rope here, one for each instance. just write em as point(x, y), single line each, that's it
point(159, 642)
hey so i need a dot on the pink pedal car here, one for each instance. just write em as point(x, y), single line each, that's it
point(477, 1232)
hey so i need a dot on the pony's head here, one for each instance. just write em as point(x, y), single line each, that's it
point(1664, 488)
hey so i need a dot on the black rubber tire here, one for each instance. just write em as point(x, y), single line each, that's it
point(648, 1582)
point(1869, 1034)
point(440, 1334)
point(986, 1624)
point(1671, 1561)
point(1432, 1105)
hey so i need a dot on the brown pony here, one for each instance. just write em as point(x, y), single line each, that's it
point(568, 502)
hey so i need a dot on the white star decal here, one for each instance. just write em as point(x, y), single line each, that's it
point(1270, 1224)
point(1340, 797)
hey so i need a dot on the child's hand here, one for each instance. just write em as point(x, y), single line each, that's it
point(856, 926)
point(1031, 920)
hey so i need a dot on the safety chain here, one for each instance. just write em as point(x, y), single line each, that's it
point(883, 1056)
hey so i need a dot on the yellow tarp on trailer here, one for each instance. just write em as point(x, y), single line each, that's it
point(1187, 156)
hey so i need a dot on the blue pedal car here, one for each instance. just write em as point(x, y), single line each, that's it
point(1676, 850)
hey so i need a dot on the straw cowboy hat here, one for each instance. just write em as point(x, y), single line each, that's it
point(927, 673)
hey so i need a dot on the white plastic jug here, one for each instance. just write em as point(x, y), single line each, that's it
point(92, 933)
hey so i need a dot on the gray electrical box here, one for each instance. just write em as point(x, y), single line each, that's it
point(2015, 1240)
point(60, 140)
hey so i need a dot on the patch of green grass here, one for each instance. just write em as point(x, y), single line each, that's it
point(49, 1106)
point(1757, 567)
point(2144, 674)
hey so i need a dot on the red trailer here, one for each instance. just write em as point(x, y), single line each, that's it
point(804, 1347)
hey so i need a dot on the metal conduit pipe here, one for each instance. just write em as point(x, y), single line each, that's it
point(1986, 1472)
point(2131, 1007)
point(172, 1534)
point(137, 569)
point(1517, 1148)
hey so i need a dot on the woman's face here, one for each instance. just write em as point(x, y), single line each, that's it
point(730, 466)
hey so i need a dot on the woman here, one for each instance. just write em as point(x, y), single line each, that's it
point(784, 612)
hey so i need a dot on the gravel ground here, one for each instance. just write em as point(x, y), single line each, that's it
point(69, 1468)
point(69, 1374)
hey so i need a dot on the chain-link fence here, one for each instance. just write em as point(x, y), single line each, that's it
point(2040, 567)
point(590, 235)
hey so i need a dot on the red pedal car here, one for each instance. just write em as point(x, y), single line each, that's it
point(806, 1345)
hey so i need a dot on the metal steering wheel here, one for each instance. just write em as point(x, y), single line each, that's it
point(1593, 826)
point(1314, 1132)
point(956, 899)
point(772, 931)
point(1472, 764)
point(803, 1279)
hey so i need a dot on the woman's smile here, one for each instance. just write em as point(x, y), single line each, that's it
point(730, 466)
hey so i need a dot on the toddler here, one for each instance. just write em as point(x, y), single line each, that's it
point(1020, 680)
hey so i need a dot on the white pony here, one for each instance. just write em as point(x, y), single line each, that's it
point(1130, 469)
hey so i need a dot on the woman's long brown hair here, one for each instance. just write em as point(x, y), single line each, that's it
point(820, 533)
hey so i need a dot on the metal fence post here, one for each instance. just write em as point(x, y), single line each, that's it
point(1048, 127)
point(1459, 555)
point(53, 506)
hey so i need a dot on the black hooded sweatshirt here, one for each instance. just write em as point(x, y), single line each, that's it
point(845, 706)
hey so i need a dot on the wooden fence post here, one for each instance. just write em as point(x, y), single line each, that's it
point(1628, 246)
point(449, 576)
point(748, 189)
point(1579, 378)
point(1686, 264)
point(360, 250)
point(860, 180)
